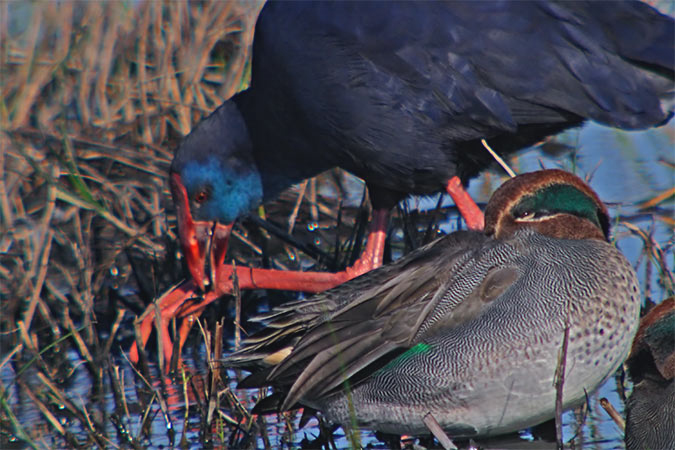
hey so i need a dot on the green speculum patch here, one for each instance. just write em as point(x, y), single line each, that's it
point(422, 347)
point(559, 198)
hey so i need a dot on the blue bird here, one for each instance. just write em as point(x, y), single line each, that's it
point(401, 94)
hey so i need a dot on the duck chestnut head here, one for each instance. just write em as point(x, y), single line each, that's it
point(214, 179)
point(553, 202)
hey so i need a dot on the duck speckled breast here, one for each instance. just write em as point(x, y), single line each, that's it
point(504, 359)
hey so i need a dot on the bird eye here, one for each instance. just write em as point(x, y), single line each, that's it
point(201, 196)
point(527, 214)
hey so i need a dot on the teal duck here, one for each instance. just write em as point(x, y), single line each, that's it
point(650, 410)
point(467, 328)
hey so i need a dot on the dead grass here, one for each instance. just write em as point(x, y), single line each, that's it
point(95, 96)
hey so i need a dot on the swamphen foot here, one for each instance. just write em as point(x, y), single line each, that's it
point(175, 302)
point(336, 84)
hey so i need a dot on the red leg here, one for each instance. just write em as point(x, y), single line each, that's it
point(371, 258)
point(174, 303)
point(465, 204)
point(167, 344)
point(185, 327)
point(256, 278)
point(168, 304)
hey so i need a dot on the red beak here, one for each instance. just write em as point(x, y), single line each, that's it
point(201, 241)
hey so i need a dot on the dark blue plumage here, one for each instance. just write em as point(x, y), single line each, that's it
point(400, 94)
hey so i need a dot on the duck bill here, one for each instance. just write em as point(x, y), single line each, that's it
point(201, 241)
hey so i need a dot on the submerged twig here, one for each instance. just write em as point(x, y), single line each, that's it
point(613, 413)
point(559, 380)
point(436, 429)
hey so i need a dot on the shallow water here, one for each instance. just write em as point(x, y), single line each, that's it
point(626, 168)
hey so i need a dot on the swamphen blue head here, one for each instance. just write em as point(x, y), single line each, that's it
point(214, 179)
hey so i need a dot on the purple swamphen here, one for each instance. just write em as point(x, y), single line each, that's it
point(401, 94)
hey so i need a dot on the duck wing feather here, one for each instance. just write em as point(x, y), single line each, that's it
point(344, 334)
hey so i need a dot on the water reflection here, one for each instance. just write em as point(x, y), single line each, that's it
point(625, 169)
